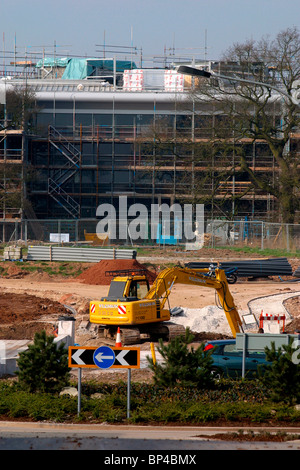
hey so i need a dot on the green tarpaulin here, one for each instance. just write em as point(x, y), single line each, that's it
point(49, 62)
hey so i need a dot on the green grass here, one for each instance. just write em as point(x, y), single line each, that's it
point(66, 269)
point(276, 252)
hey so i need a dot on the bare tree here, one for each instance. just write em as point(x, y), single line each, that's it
point(256, 112)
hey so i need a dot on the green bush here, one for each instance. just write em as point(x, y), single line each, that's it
point(184, 366)
point(200, 414)
point(43, 367)
point(282, 377)
point(243, 402)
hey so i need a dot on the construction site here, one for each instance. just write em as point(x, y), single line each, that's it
point(34, 300)
point(90, 137)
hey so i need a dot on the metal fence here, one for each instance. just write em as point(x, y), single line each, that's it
point(218, 233)
point(91, 255)
point(258, 234)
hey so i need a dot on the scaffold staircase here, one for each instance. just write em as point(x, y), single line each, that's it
point(62, 175)
point(63, 199)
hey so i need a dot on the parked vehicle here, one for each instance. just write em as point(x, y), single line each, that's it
point(228, 361)
point(231, 275)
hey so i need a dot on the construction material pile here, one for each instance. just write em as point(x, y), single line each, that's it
point(209, 319)
point(250, 268)
point(297, 272)
point(101, 274)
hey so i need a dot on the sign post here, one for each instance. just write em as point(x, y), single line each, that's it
point(104, 357)
point(79, 392)
point(128, 392)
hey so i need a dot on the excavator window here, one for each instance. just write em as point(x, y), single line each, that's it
point(116, 290)
point(138, 289)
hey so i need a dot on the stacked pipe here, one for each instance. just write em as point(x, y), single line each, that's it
point(250, 268)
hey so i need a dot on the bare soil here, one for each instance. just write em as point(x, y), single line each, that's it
point(22, 315)
point(253, 437)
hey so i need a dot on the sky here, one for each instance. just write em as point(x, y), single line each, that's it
point(199, 28)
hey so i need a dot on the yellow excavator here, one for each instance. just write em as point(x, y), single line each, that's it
point(140, 310)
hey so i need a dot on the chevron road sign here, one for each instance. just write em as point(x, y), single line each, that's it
point(104, 357)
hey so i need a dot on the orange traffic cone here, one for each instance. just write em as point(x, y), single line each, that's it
point(118, 339)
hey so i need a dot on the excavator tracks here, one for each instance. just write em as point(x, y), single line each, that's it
point(135, 335)
point(166, 330)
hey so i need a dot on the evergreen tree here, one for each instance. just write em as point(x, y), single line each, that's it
point(43, 367)
point(282, 376)
point(182, 365)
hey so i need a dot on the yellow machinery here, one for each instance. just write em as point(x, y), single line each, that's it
point(97, 238)
point(140, 311)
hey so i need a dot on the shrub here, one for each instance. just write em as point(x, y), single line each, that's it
point(282, 376)
point(149, 404)
point(43, 367)
point(184, 366)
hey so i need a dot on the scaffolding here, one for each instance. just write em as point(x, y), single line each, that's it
point(89, 144)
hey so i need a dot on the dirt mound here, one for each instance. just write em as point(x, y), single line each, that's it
point(14, 272)
point(18, 308)
point(293, 307)
point(22, 315)
point(99, 273)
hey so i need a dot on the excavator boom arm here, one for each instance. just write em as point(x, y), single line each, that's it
point(168, 277)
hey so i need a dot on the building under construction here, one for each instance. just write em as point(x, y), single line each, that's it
point(102, 128)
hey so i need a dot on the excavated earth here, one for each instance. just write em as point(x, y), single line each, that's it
point(22, 315)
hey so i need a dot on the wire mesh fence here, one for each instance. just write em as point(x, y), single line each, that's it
point(258, 234)
point(217, 233)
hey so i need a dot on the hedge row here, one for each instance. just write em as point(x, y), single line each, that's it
point(234, 402)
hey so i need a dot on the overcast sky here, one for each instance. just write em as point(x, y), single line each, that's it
point(77, 26)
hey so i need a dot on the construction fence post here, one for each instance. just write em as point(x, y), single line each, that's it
point(76, 231)
point(26, 232)
point(79, 392)
point(244, 355)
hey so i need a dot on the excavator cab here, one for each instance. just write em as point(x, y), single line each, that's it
point(127, 288)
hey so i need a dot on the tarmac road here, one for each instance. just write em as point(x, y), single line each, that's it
point(106, 438)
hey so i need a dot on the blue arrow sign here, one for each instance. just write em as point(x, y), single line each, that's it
point(104, 357)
